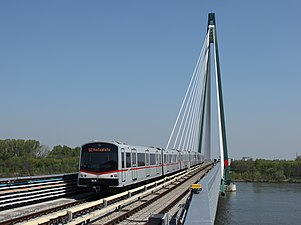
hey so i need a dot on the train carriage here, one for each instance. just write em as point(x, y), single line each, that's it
point(113, 164)
point(106, 165)
point(171, 161)
point(184, 160)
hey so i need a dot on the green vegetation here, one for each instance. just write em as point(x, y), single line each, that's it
point(30, 158)
point(262, 170)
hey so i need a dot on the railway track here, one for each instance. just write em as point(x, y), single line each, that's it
point(26, 191)
point(122, 206)
point(163, 201)
point(52, 207)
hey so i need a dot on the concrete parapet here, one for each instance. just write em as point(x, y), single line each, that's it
point(202, 208)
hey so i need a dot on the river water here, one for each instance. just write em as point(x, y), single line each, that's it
point(261, 203)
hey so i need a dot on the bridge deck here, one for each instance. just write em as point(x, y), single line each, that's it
point(202, 209)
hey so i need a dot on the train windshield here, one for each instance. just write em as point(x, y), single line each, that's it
point(99, 157)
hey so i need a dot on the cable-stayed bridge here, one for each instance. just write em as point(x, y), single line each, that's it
point(146, 175)
point(192, 128)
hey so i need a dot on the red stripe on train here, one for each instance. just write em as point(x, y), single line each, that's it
point(118, 171)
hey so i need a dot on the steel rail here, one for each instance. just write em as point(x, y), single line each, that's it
point(21, 195)
point(103, 212)
point(132, 212)
point(106, 205)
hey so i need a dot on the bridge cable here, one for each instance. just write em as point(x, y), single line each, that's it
point(185, 134)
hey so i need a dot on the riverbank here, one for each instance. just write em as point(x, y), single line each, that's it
point(266, 171)
point(270, 181)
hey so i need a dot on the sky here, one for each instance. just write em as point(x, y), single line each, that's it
point(76, 71)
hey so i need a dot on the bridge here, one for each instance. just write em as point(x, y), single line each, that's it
point(192, 129)
point(190, 133)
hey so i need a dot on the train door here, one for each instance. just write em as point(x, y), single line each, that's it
point(158, 162)
point(123, 161)
point(147, 163)
point(134, 164)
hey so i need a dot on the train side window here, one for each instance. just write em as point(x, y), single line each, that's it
point(158, 159)
point(141, 159)
point(134, 158)
point(128, 159)
point(147, 157)
point(122, 157)
point(152, 159)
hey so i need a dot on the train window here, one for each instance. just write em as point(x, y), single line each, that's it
point(122, 159)
point(128, 159)
point(152, 159)
point(158, 159)
point(147, 157)
point(141, 159)
point(134, 158)
point(99, 157)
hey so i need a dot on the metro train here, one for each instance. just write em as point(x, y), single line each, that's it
point(116, 165)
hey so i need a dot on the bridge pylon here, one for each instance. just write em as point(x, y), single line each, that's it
point(192, 128)
point(211, 29)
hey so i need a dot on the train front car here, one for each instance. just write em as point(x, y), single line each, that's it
point(98, 165)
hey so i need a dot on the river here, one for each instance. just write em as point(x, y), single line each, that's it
point(261, 203)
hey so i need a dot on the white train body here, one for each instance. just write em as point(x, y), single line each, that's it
point(115, 165)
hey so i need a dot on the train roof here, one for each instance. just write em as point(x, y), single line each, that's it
point(122, 144)
point(118, 143)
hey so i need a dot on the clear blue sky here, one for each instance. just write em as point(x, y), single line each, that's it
point(74, 71)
